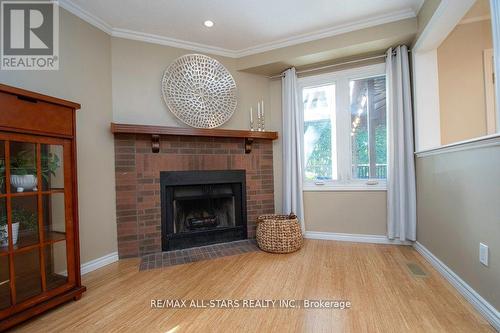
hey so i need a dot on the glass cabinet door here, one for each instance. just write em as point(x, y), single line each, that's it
point(5, 297)
point(5, 300)
point(4, 259)
point(35, 218)
point(2, 167)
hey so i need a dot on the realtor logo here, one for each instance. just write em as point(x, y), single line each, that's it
point(29, 35)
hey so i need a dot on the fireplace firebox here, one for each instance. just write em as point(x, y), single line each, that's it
point(202, 207)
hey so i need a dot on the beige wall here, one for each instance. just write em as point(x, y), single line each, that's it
point(329, 211)
point(461, 82)
point(137, 99)
point(84, 77)
point(137, 71)
point(137, 93)
point(458, 206)
point(357, 212)
point(119, 80)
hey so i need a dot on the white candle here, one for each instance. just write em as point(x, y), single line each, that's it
point(258, 110)
point(262, 109)
point(251, 115)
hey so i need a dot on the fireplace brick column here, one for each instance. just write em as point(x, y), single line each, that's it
point(137, 172)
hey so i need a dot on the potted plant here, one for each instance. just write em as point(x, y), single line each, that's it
point(3, 230)
point(50, 164)
point(21, 218)
point(23, 170)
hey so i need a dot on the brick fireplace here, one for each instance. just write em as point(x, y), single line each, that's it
point(137, 170)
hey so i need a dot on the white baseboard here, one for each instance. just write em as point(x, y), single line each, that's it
point(481, 305)
point(92, 265)
point(357, 238)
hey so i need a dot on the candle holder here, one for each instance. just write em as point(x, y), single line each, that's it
point(251, 120)
point(261, 116)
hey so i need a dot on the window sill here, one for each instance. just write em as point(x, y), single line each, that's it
point(331, 187)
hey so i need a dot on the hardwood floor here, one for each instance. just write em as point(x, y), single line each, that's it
point(385, 296)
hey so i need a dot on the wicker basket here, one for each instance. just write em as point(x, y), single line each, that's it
point(279, 233)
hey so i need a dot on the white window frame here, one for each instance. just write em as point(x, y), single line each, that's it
point(341, 80)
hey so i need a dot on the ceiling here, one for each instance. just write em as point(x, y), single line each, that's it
point(242, 27)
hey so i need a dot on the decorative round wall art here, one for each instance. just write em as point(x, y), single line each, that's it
point(199, 91)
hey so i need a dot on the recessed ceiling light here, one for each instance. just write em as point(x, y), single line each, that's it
point(208, 23)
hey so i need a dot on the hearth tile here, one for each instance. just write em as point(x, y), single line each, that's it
point(179, 257)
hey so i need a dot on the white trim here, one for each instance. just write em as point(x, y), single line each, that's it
point(92, 265)
point(351, 186)
point(481, 305)
point(426, 99)
point(495, 28)
point(475, 19)
point(447, 15)
point(481, 142)
point(419, 7)
point(96, 21)
point(489, 87)
point(161, 40)
point(356, 238)
point(90, 18)
point(329, 32)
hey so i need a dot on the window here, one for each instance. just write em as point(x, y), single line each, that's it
point(319, 131)
point(368, 128)
point(345, 129)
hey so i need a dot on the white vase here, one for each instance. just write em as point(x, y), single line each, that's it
point(24, 182)
point(4, 234)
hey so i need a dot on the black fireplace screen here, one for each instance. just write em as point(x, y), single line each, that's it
point(202, 207)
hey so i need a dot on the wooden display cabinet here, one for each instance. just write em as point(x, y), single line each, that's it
point(39, 246)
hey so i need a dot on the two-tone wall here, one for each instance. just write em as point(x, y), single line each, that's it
point(118, 80)
point(458, 186)
point(458, 206)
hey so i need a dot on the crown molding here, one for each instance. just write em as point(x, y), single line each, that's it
point(474, 19)
point(329, 32)
point(419, 7)
point(182, 44)
point(90, 18)
point(96, 21)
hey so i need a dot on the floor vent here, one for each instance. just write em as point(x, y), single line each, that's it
point(416, 270)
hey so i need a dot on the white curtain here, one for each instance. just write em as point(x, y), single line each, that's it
point(292, 147)
point(401, 191)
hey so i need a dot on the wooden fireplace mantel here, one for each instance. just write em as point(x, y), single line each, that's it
point(156, 131)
